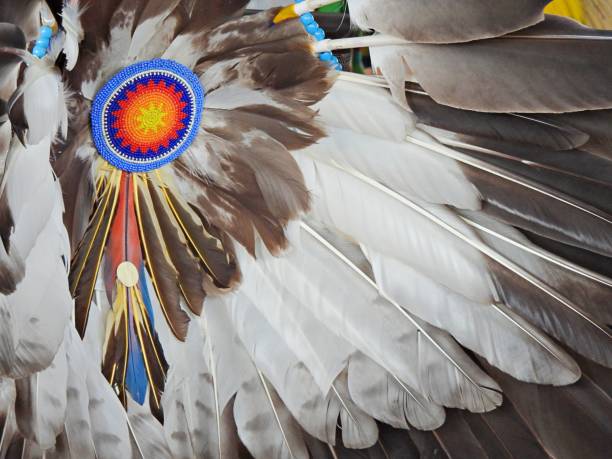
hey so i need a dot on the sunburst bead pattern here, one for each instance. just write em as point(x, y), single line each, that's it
point(147, 115)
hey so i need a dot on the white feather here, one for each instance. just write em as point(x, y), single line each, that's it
point(407, 168)
point(71, 22)
point(44, 104)
point(491, 330)
point(148, 432)
point(382, 396)
point(372, 111)
point(316, 412)
point(35, 315)
point(360, 210)
point(264, 424)
point(41, 402)
point(324, 354)
point(349, 304)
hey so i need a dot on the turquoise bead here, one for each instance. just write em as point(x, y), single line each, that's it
point(39, 51)
point(43, 42)
point(319, 34)
point(312, 28)
point(46, 32)
point(307, 18)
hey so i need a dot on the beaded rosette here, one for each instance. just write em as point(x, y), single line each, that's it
point(147, 115)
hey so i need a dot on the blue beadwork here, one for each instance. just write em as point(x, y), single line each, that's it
point(313, 29)
point(107, 99)
point(46, 32)
point(41, 48)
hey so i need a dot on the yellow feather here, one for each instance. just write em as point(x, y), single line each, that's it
point(594, 13)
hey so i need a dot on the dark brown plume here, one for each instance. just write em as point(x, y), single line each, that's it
point(190, 274)
point(159, 265)
point(88, 257)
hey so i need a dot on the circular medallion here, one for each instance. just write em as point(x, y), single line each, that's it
point(127, 274)
point(147, 115)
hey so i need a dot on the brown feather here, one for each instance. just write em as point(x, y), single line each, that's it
point(115, 353)
point(569, 322)
point(231, 213)
point(522, 129)
point(155, 361)
point(190, 273)
point(531, 71)
point(216, 261)
point(568, 421)
point(88, 257)
point(440, 21)
point(259, 170)
point(163, 273)
point(544, 211)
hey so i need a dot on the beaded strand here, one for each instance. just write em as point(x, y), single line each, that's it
point(313, 29)
point(45, 34)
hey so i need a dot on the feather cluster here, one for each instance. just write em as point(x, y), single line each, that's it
point(439, 251)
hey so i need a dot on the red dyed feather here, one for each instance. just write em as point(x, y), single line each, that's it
point(124, 240)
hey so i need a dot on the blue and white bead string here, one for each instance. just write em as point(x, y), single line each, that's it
point(313, 29)
point(45, 34)
point(43, 43)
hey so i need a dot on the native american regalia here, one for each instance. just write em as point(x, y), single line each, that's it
point(217, 244)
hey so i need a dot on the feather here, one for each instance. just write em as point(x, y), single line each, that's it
point(12, 39)
point(531, 205)
point(108, 419)
point(224, 354)
point(264, 424)
point(318, 272)
point(595, 124)
point(148, 432)
point(185, 48)
point(29, 196)
point(324, 353)
point(284, 371)
point(575, 282)
point(572, 169)
point(35, 315)
point(576, 180)
point(574, 302)
point(149, 23)
point(88, 256)
point(359, 430)
point(408, 169)
point(373, 111)
point(44, 103)
point(499, 75)
point(196, 407)
point(77, 425)
point(312, 409)
point(491, 330)
point(522, 291)
point(555, 414)
point(215, 259)
point(71, 22)
point(551, 133)
point(226, 211)
point(440, 22)
point(165, 33)
point(40, 405)
point(342, 201)
point(26, 17)
point(381, 395)
point(190, 274)
point(159, 265)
